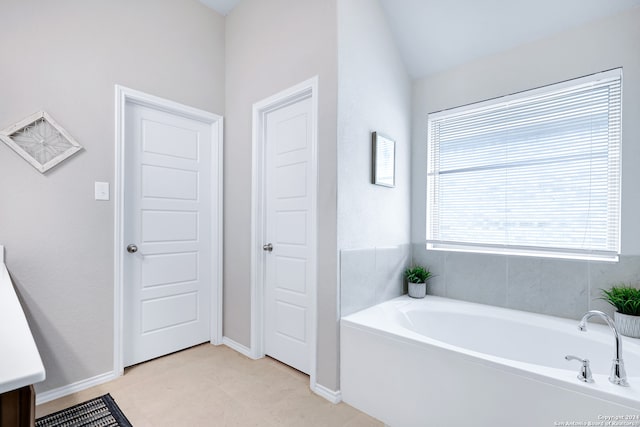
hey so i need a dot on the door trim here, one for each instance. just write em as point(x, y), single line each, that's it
point(124, 95)
point(304, 90)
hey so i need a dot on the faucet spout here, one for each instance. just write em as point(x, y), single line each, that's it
point(618, 374)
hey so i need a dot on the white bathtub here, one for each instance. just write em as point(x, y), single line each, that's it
point(438, 362)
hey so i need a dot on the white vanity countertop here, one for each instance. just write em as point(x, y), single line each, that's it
point(20, 363)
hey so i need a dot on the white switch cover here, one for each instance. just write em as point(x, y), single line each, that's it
point(102, 190)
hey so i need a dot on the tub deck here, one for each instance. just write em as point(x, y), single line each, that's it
point(447, 356)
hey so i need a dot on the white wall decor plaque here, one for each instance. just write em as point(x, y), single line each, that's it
point(40, 141)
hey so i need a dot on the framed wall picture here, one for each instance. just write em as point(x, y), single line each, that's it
point(40, 140)
point(383, 160)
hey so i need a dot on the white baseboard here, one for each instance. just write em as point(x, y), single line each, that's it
point(237, 347)
point(320, 390)
point(56, 393)
point(330, 395)
point(66, 390)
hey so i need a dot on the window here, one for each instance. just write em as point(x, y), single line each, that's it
point(534, 173)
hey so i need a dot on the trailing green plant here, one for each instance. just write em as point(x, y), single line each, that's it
point(417, 274)
point(624, 298)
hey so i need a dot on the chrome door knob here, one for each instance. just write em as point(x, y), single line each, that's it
point(132, 249)
point(268, 247)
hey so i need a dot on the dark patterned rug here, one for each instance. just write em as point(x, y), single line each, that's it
point(99, 412)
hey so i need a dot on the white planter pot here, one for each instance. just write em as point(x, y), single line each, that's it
point(417, 290)
point(627, 325)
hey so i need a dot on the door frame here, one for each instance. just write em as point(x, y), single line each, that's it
point(304, 90)
point(123, 97)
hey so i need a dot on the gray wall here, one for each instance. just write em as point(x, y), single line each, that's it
point(374, 94)
point(559, 287)
point(65, 57)
point(271, 46)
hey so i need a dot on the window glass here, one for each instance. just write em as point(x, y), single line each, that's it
point(535, 173)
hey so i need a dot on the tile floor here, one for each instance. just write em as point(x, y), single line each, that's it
point(216, 386)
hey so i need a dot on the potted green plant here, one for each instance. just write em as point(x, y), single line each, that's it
point(417, 278)
point(626, 300)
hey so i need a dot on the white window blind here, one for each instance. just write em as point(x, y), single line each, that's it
point(535, 173)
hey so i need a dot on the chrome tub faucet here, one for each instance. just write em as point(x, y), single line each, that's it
point(618, 375)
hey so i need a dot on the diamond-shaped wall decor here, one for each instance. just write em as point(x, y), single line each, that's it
point(40, 141)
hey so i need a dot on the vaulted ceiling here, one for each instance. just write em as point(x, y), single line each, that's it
point(221, 6)
point(434, 35)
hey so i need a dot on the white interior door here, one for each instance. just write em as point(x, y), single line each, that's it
point(289, 268)
point(167, 274)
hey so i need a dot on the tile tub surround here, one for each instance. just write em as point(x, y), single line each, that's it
point(557, 287)
point(372, 275)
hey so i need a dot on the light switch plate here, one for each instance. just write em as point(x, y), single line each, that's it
point(102, 190)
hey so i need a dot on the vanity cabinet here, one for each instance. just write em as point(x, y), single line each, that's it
point(18, 408)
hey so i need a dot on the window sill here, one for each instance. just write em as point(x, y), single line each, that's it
point(528, 252)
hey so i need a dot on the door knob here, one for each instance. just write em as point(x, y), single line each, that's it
point(268, 247)
point(132, 249)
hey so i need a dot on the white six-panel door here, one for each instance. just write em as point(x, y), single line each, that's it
point(167, 218)
point(288, 228)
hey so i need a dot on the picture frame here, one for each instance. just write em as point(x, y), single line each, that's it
point(383, 164)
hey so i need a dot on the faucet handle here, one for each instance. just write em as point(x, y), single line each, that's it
point(585, 371)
